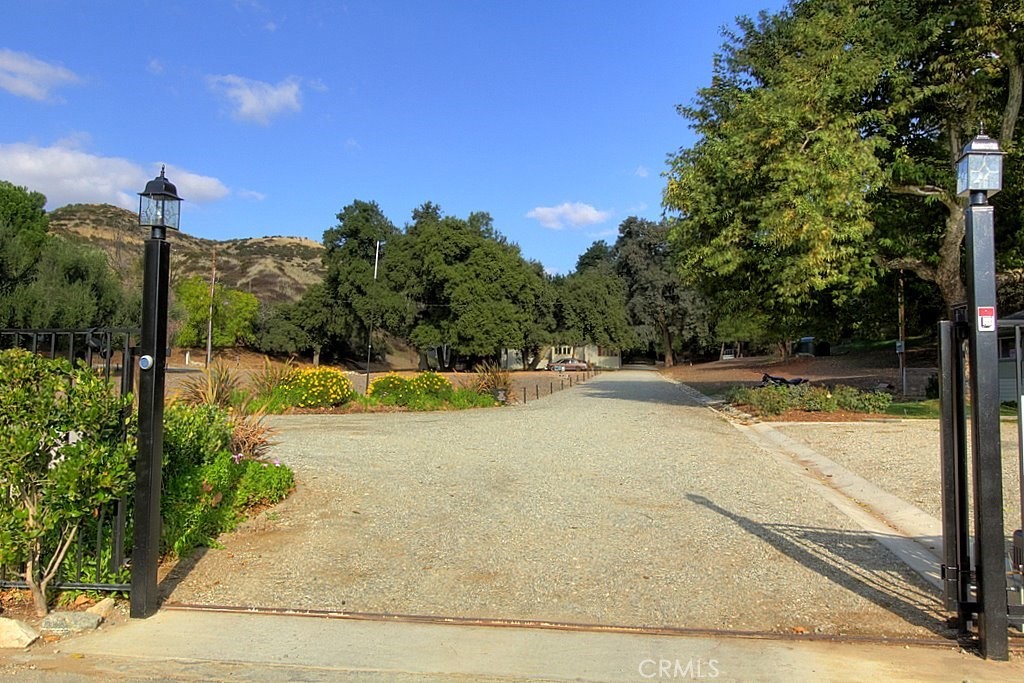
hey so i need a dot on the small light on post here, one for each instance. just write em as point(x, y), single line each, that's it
point(980, 168)
point(159, 205)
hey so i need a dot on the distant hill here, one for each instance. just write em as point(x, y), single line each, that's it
point(275, 269)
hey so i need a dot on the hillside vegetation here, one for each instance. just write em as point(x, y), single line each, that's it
point(275, 269)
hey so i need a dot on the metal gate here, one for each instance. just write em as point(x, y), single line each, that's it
point(963, 502)
point(99, 559)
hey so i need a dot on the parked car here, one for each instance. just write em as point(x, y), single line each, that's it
point(570, 364)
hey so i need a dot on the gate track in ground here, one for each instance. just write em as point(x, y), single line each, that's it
point(621, 501)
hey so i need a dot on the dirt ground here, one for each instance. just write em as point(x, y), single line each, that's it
point(864, 371)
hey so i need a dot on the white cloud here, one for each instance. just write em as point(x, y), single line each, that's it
point(23, 75)
point(352, 145)
point(258, 101)
point(68, 175)
point(574, 215)
point(195, 188)
point(641, 172)
point(252, 195)
point(155, 66)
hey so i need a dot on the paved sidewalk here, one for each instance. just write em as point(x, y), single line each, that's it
point(207, 646)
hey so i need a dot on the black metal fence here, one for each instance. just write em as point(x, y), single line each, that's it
point(98, 560)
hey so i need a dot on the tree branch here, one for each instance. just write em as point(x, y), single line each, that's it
point(950, 201)
point(916, 266)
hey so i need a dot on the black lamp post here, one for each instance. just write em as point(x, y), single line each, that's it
point(159, 209)
point(979, 175)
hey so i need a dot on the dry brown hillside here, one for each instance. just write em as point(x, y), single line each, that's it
point(275, 269)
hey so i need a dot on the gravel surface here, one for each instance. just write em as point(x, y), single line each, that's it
point(616, 502)
point(902, 457)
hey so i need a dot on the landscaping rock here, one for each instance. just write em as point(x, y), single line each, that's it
point(66, 623)
point(104, 608)
point(14, 633)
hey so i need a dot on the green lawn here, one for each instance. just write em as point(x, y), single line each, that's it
point(929, 409)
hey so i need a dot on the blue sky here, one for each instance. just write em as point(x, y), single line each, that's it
point(554, 117)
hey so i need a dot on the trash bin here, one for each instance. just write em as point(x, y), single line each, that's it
point(804, 347)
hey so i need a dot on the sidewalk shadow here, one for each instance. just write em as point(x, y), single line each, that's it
point(854, 560)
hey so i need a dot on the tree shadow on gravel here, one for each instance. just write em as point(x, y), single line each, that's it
point(852, 559)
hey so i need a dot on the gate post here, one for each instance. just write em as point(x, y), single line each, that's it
point(159, 207)
point(979, 175)
point(985, 444)
point(956, 564)
point(146, 546)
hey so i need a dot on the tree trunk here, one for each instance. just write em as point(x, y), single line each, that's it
point(37, 591)
point(666, 339)
point(316, 356)
point(947, 273)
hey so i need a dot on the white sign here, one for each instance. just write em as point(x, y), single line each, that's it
point(986, 318)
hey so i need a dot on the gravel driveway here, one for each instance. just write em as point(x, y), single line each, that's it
point(619, 501)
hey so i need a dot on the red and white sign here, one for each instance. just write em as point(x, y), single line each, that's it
point(986, 318)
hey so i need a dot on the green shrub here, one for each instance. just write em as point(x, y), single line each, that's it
point(197, 504)
point(431, 384)
point(63, 454)
point(207, 486)
point(390, 390)
point(319, 387)
point(875, 402)
point(767, 401)
point(462, 399)
point(812, 399)
point(263, 483)
point(193, 435)
point(775, 400)
point(278, 401)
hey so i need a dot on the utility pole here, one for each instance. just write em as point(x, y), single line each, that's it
point(209, 319)
point(902, 346)
point(369, 328)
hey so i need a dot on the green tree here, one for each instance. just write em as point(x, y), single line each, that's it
point(358, 301)
point(89, 294)
point(819, 119)
point(658, 305)
point(23, 226)
point(234, 314)
point(592, 309)
point(34, 266)
point(468, 288)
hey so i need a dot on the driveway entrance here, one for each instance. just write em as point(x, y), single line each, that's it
point(619, 502)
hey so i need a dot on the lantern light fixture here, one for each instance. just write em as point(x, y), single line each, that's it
point(159, 205)
point(980, 168)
